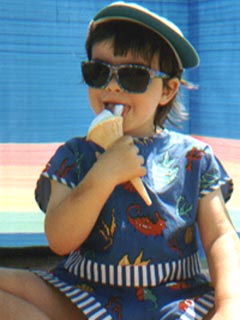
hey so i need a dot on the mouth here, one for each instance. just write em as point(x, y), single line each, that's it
point(117, 108)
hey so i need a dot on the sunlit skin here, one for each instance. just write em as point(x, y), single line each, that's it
point(139, 109)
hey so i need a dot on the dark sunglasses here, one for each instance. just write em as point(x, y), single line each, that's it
point(132, 78)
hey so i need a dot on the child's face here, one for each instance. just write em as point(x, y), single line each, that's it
point(139, 109)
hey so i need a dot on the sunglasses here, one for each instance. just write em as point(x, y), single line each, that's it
point(132, 78)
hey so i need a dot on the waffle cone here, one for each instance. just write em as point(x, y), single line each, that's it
point(139, 186)
point(105, 134)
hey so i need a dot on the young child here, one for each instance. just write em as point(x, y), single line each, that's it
point(126, 259)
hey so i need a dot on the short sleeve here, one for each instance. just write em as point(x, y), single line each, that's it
point(213, 176)
point(68, 166)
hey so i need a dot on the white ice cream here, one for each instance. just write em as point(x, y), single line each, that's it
point(118, 109)
point(106, 114)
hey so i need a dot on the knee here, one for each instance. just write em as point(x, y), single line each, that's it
point(12, 278)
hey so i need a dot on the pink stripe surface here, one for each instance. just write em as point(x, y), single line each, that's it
point(22, 154)
point(39, 154)
point(21, 164)
point(225, 149)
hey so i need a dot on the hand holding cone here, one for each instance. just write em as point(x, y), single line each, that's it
point(105, 130)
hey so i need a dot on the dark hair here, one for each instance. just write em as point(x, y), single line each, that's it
point(128, 36)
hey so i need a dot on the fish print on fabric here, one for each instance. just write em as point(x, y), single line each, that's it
point(183, 207)
point(162, 170)
point(107, 231)
point(65, 168)
point(148, 225)
point(145, 294)
point(115, 306)
point(194, 154)
point(124, 261)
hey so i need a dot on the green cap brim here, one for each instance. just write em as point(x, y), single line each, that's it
point(184, 51)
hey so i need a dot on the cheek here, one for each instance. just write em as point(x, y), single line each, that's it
point(147, 103)
point(94, 98)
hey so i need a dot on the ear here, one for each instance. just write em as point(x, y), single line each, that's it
point(169, 91)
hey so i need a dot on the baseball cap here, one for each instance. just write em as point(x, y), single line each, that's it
point(185, 53)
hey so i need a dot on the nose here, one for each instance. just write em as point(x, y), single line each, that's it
point(113, 84)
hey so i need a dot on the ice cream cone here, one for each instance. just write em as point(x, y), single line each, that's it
point(139, 186)
point(105, 133)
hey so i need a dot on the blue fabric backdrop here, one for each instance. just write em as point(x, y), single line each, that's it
point(42, 95)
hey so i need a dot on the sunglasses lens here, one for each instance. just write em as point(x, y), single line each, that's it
point(95, 74)
point(134, 79)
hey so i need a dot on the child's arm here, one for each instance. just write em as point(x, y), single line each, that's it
point(222, 248)
point(71, 214)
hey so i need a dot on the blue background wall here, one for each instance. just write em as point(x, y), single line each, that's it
point(215, 107)
point(42, 95)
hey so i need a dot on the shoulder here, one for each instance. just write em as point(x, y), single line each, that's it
point(186, 140)
point(77, 146)
point(183, 144)
point(75, 143)
point(68, 166)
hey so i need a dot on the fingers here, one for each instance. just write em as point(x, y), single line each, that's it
point(130, 140)
point(126, 143)
point(123, 160)
point(133, 151)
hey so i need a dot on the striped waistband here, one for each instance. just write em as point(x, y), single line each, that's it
point(133, 275)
